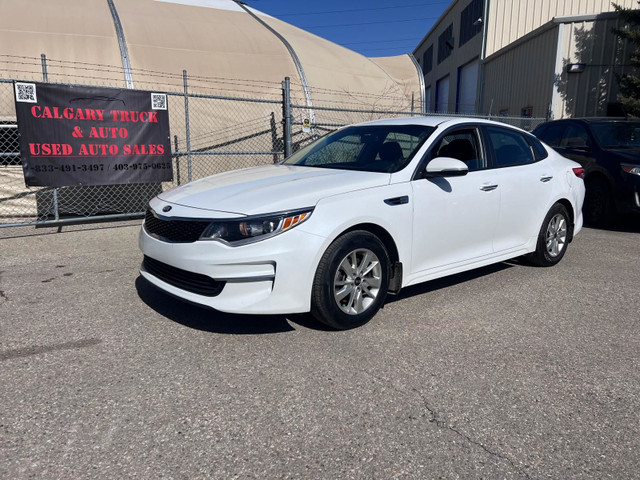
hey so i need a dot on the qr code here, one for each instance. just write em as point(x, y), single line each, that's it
point(158, 101)
point(26, 92)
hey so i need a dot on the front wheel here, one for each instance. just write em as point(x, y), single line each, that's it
point(351, 282)
point(553, 237)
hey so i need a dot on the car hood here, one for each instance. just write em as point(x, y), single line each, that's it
point(271, 188)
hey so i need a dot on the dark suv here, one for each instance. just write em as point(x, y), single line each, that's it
point(609, 151)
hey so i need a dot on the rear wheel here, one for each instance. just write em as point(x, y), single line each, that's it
point(351, 282)
point(598, 203)
point(553, 237)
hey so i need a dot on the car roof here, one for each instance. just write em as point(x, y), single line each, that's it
point(593, 120)
point(438, 120)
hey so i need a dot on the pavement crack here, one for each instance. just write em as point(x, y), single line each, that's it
point(442, 424)
point(434, 418)
point(3, 296)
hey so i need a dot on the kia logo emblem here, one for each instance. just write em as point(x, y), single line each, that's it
point(167, 208)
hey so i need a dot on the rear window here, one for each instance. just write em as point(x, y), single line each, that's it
point(617, 134)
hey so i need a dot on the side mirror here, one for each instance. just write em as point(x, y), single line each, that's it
point(446, 167)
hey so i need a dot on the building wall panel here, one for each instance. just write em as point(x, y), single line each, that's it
point(512, 19)
point(532, 63)
point(589, 93)
point(460, 55)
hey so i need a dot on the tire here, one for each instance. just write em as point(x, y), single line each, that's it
point(598, 203)
point(351, 281)
point(553, 237)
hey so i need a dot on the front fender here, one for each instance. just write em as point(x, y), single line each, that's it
point(335, 215)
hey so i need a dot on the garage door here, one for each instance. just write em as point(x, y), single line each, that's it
point(467, 87)
point(442, 95)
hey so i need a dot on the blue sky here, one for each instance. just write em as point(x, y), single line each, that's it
point(375, 28)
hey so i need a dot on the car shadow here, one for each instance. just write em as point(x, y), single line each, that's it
point(623, 223)
point(209, 320)
point(445, 282)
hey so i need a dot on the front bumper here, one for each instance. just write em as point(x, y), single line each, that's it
point(629, 197)
point(274, 276)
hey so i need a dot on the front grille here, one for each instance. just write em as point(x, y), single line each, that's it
point(176, 231)
point(189, 281)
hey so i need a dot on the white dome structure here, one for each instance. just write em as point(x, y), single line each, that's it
point(207, 38)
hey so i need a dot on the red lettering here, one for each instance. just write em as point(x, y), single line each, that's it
point(50, 149)
point(134, 116)
point(35, 111)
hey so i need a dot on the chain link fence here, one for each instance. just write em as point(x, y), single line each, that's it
point(216, 125)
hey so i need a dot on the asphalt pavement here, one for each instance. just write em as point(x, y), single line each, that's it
point(510, 371)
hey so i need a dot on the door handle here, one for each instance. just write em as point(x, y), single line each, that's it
point(488, 188)
point(545, 178)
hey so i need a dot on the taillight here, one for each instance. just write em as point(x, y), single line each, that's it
point(579, 171)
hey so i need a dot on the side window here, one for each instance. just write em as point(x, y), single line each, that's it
point(538, 150)
point(552, 135)
point(510, 148)
point(575, 136)
point(462, 145)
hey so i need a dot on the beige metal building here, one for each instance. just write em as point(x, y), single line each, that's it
point(530, 58)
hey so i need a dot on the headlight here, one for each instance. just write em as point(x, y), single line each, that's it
point(254, 229)
point(632, 169)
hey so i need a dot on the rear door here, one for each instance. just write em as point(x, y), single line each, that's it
point(525, 186)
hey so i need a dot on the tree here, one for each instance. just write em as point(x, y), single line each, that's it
point(629, 83)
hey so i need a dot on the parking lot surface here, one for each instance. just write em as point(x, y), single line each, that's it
point(510, 371)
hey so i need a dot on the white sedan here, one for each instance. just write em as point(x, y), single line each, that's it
point(363, 212)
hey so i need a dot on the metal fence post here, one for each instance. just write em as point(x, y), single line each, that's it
point(187, 126)
point(175, 142)
point(274, 136)
point(45, 79)
point(286, 115)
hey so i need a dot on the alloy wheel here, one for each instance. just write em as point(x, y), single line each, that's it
point(357, 281)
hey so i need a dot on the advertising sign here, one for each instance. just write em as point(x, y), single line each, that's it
point(72, 135)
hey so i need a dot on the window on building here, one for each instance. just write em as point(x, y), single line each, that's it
point(469, 24)
point(446, 43)
point(427, 60)
point(9, 144)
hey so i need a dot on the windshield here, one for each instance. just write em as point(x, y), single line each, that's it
point(617, 134)
point(379, 148)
